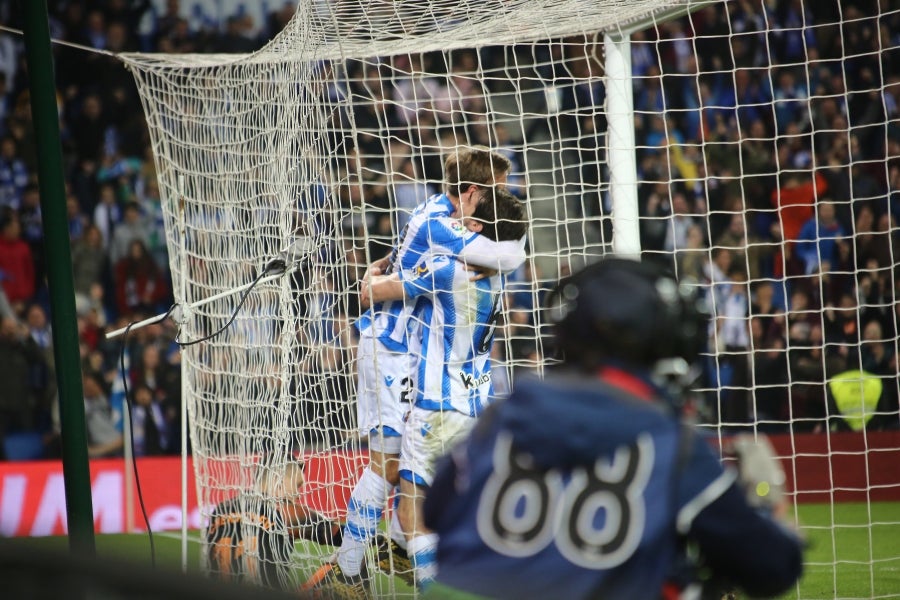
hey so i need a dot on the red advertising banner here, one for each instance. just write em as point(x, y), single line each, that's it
point(820, 468)
point(33, 501)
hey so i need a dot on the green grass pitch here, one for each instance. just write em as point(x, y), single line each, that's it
point(846, 557)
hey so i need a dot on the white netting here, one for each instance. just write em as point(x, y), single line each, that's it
point(327, 137)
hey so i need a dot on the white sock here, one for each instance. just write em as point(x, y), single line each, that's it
point(422, 551)
point(364, 510)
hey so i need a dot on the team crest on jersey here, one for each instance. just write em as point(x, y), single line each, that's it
point(457, 226)
point(421, 269)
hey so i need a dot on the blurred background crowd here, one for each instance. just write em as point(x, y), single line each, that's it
point(772, 177)
point(120, 263)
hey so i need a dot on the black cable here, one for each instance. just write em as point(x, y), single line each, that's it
point(274, 265)
point(137, 479)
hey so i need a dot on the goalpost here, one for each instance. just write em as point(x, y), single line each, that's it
point(701, 134)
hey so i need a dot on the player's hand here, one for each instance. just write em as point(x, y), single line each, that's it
point(376, 268)
point(479, 273)
point(365, 293)
point(372, 271)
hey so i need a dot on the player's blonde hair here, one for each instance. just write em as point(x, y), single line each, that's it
point(477, 165)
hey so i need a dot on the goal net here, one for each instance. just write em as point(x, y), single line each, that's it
point(763, 167)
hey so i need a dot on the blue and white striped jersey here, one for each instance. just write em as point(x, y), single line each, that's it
point(431, 230)
point(454, 369)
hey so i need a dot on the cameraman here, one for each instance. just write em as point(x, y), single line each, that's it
point(586, 484)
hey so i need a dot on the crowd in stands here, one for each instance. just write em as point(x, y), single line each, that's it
point(789, 210)
point(772, 177)
point(119, 257)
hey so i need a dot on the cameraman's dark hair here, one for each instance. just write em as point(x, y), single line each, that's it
point(625, 310)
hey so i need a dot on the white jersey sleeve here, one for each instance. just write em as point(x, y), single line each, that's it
point(505, 257)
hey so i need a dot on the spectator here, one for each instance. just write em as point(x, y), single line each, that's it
point(654, 212)
point(877, 247)
point(148, 424)
point(19, 354)
point(21, 128)
point(32, 225)
point(770, 377)
point(238, 36)
point(5, 99)
point(747, 249)
point(89, 261)
point(415, 90)
point(107, 214)
point(103, 431)
point(8, 60)
point(280, 17)
point(151, 207)
point(516, 181)
point(131, 229)
point(121, 171)
point(876, 355)
point(766, 309)
point(692, 260)
point(790, 36)
point(679, 224)
point(524, 288)
point(88, 130)
point(78, 222)
point(164, 384)
point(795, 198)
point(807, 373)
point(840, 277)
point(140, 286)
point(459, 98)
point(41, 373)
point(733, 341)
point(790, 98)
point(818, 238)
point(92, 319)
point(13, 174)
point(643, 54)
point(717, 271)
point(16, 262)
point(840, 322)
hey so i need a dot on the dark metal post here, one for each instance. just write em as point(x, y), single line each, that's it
point(76, 471)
